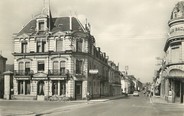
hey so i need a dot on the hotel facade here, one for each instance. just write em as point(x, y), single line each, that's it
point(58, 57)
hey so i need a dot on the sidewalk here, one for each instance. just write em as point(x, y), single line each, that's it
point(157, 99)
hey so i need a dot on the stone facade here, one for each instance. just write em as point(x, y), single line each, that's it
point(172, 83)
point(54, 56)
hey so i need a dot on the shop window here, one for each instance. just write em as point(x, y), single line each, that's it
point(63, 88)
point(54, 87)
point(20, 87)
point(27, 87)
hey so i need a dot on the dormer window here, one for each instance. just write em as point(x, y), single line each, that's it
point(41, 26)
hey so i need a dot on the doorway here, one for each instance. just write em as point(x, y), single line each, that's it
point(40, 88)
point(78, 90)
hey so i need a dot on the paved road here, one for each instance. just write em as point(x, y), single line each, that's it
point(16, 108)
point(132, 106)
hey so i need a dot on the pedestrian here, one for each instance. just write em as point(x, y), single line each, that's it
point(88, 96)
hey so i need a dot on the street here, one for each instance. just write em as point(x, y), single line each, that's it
point(129, 106)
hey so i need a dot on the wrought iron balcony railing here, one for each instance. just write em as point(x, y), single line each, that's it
point(23, 72)
point(60, 72)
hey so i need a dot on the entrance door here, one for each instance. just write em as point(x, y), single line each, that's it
point(78, 90)
point(40, 88)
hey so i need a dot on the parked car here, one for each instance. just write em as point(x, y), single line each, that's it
point(135, 93)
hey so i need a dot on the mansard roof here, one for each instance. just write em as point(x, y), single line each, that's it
point(57, 24)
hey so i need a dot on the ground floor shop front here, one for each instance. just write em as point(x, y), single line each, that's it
point(172, 89)
point(44, 87)
point(172, 84)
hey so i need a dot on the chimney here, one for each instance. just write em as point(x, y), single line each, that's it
point(98, 48)
point(70, 22)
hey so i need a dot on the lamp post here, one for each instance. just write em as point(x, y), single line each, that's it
point(126, 70)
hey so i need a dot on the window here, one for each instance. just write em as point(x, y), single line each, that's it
point(41, 46)
point(175, 54)
point(27, 87)
point(79, 45)
point(54, 87)
point(78, 66)
point(20, 87)
point(59, 45)
point(63, 87)
point(41, 26)
point(27, 67)
point(41, 66)
point(55, 67)
point(21, 68)
point(24, 47)
point(62, 67)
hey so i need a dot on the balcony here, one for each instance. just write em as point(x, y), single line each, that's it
point(58, 72)
point(23, 72)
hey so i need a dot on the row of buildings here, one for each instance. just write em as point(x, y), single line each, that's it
point(169, 79)
point(129, 84)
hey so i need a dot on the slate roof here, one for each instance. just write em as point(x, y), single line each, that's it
point(57, 24)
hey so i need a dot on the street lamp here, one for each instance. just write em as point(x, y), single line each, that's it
point(126, 70)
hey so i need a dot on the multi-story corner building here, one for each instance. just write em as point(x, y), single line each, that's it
point(58, 56)
point(2, 69)
point(173, 73)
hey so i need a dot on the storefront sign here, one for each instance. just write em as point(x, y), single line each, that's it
point(93, 71)
point(177, 30)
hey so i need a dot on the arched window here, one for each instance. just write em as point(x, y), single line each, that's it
point(21, 68)
point(27, 67)
point(62, 67)
point(55, 67)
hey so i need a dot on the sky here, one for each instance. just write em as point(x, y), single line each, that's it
point(132, 32)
